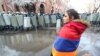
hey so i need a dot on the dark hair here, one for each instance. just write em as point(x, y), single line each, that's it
point(74, 13)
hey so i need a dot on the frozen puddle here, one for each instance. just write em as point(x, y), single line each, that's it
point(85, 43)
point(89, 44)
point(6, 51)
point(85, 46)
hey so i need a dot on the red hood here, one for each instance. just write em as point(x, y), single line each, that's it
point(73, 30)
point(80, 27)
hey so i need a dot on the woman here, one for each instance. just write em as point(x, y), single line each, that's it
point(69, 36)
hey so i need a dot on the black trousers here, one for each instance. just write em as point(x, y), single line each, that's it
point(51, 54)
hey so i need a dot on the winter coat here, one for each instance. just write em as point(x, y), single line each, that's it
point(68, 38)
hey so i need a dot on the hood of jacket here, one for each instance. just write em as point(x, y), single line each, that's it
point(74, 29)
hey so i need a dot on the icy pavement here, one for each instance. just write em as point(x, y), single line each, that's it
point(89, 44)
point(25, 43)
point(6, 51)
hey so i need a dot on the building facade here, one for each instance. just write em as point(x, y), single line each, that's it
point(39, 6)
